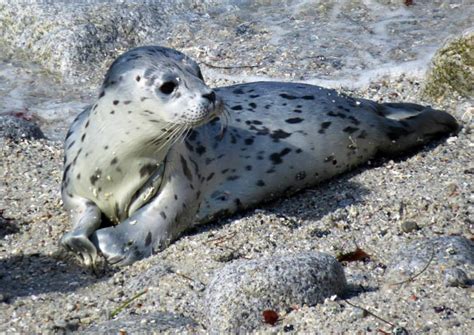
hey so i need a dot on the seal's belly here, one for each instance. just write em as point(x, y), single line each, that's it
point(280, 138)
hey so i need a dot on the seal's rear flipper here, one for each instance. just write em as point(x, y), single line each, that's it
point(408, 125)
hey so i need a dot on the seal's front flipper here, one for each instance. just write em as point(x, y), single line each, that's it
point(135, 238)
point(147, 191)
point(86, 217)
point(408, 125)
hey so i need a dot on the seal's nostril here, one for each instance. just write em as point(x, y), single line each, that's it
point(210, 96)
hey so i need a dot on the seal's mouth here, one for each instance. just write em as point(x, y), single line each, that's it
point(216, 109)
point(221, 112)
point(175, 131)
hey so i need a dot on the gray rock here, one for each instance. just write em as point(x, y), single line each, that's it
point(80, 40)
point(454, 277)
point(452, 69)
point(66, 326)
point(409, 226)
point(144, 324)
point(148, 278)
point(448, 251)
point(16, 128)
point(240, 292)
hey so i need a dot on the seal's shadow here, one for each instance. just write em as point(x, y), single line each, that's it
point(308, 204)
point(34, 274)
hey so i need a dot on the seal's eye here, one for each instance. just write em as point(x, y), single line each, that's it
point(168, 87)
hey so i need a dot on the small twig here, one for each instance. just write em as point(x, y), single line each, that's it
point(126, 303)
point(230, 67)
point(189, 278)
point(184, 276)
point(219, 240)
point(369, 312)
point(419, 273)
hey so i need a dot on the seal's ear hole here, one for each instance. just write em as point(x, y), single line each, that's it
point(167, 87)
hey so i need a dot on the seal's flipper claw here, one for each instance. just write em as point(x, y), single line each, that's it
point(81, 246)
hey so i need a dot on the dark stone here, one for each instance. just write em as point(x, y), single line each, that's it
point(16, 128)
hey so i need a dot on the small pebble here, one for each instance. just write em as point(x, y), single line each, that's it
point(288, 328)
point(399, 331)
point(70, 307)
point(226, 256)
point(451, 140)
point(455, 277)
point(409, 226)
point(60, 324)
point(452, 188)
point(359, 313)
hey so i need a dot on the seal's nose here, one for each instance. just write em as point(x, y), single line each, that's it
point(210, 96)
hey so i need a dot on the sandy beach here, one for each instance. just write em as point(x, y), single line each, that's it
point(383, 207)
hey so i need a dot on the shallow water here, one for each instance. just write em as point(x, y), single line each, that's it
point(355, 42)
point(28, 92)
point(330, 43)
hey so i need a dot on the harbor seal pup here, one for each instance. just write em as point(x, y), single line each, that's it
point(159, 151)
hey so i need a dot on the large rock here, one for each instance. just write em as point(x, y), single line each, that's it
point(452, 69)
point(78, 41)
point(240, 292)
point(448, 256)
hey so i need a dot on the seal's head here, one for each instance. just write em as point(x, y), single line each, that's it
point(162, 85)
point(115, 150)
